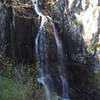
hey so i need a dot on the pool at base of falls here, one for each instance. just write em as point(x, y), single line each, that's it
point(63, 98)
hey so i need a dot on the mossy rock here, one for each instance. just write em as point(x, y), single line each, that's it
point(95, 46)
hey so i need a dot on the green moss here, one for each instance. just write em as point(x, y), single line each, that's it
point(75, 21)
point(95, 46)
point(18, 81)
point(11, 90)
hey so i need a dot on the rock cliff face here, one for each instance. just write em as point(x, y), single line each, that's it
point(81, 21)
point(78, 25)
point(17, 31)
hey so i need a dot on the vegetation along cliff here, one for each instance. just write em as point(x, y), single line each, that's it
point(49, 49)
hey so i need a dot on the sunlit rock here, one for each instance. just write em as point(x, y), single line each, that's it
point(88, 18)
point(81, 24)
point(70, 3)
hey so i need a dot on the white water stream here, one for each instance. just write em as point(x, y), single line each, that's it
point(42, 64)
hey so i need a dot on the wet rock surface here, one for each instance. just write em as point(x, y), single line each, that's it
point(82, 53)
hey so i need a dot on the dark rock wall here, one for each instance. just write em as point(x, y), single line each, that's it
point(18, 34)
point(24, 38)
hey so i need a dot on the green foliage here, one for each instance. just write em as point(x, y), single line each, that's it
point(95, 78)
point(6, 70)
point(18, 81)
point(95, 46)
point(11, 90)
point(75, 21)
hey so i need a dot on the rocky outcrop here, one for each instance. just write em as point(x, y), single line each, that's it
point(78, 25)
point(17, 31)
point(79, 30)
point(3, 14)
point(80, 21)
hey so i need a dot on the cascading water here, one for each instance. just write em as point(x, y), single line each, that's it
point(42, 63)
point(41, 53)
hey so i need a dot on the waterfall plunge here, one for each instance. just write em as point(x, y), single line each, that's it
point(41, 53)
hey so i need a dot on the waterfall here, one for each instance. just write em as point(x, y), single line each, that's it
point(41, 53)
point(61, 63)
